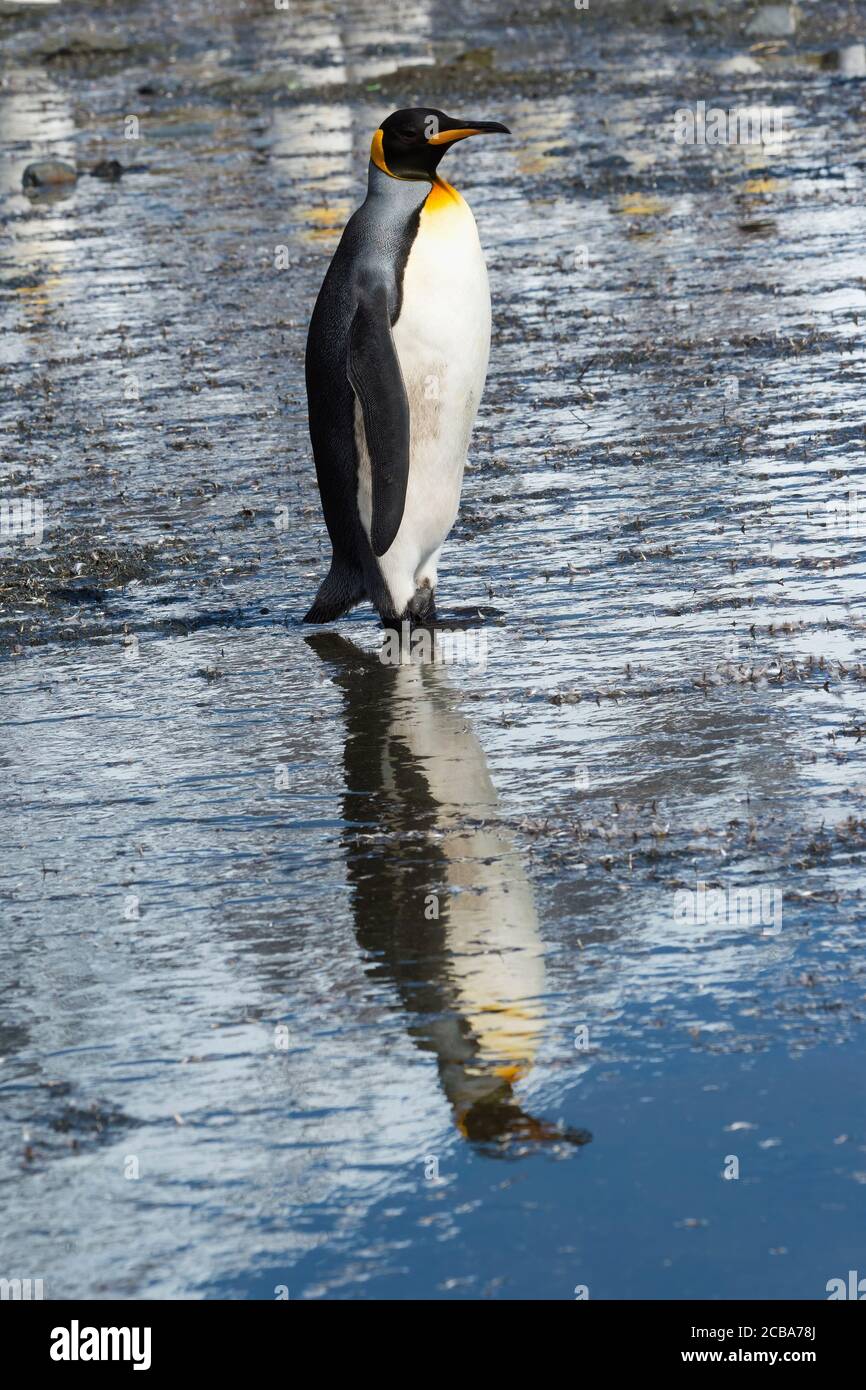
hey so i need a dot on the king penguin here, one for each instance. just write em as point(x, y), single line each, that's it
point(396, 361)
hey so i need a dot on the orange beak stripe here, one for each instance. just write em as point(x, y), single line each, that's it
point(445, 137)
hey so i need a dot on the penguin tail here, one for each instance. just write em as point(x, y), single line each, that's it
point(341, 588)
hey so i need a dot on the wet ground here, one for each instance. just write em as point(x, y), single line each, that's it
point(343, 980)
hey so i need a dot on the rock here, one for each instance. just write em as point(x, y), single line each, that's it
point(849, 61)
point(762, 226)
point(476, 57)
point(773, 22)
point(110, 169)
point(16, 6)
point(742, 63)
point(48, 173)
point(81, 44)
point(79, 590)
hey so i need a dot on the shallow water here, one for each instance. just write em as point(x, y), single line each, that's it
point(241, 1049)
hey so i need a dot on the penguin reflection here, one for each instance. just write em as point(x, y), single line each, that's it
point(441, 902)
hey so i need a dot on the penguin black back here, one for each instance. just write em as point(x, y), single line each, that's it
point(371, 257)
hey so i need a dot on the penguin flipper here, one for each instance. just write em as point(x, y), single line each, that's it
point(375, 376)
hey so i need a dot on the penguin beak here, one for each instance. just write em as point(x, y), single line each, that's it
point(460, 130)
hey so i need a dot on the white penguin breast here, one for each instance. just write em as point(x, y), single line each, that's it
point(442, 338)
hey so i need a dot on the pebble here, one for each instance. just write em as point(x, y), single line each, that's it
point(742, 63)
point(773, 22)
point(110, 169)
point(48, 173)
point(16, 6)
point(849, 61)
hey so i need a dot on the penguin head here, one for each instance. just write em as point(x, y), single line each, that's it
point(410, 143)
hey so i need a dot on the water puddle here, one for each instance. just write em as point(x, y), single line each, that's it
point(458, 978)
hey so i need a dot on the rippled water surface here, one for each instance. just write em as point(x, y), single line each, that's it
point(371, 981)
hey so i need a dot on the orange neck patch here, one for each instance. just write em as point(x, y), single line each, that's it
point(442, 196)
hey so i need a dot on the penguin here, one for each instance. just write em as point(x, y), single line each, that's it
point(396, 362)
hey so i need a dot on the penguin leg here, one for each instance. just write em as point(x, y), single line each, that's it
point(342, 587)
point(422, 607)
point(393, 588)
point(427, 572)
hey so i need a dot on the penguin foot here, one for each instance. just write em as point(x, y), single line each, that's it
point(419, 613)
point(422, 609)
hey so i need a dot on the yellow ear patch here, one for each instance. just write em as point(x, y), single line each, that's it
point(377, 153)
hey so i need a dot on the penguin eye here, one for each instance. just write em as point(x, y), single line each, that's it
point(406, 132)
